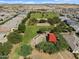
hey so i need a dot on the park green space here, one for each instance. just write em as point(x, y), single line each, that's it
point(43, 15)
point(31, 30)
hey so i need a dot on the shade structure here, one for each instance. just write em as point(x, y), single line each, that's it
point(52, 37)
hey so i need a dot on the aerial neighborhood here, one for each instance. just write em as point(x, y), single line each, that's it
point(39, 31)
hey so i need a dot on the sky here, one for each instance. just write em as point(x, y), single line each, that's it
point(40, 1)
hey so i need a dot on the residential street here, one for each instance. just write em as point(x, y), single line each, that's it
point(37, 39)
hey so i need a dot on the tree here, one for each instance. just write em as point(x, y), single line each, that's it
point(43, 29)
point(47, 47)
point(77, 34)
point(50, 48)
point(33, 21)
point(6, 48)
point(50, 21)
point(42, 21)
point(25, 50)
point(14, 37)
point(53, 20)
point(24, 20)
point(61, 44)
point(21, 27)
point(1, 48)
point(1, 19)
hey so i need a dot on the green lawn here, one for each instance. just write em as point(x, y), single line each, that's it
point(50, 15)
point(43, 15)
point(36, 15)
point(29, 33)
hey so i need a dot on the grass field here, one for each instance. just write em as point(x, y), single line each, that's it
point(36, 15)
point(50, 15)
point(43, 15)
point(31, 30)
point(29, 33)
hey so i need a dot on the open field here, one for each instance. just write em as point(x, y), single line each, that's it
point(40, 55)
point(29, 33)
point(43, 15)
point(60, 55)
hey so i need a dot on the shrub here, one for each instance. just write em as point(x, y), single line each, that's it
point(24, 20)
point(32, 21)
point(21, 28)
point(77, 34)
point(14, 37)
point(54, 20)
point(25, 50)
point(61, 44)
point(42, 21)
point(47, 47)
point(5, 48)
point(43, 29)
point(50, 48)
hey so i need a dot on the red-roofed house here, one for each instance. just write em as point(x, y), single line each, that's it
point(52, 37)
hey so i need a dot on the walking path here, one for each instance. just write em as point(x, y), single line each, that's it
point(12, 53)
point(37, 39)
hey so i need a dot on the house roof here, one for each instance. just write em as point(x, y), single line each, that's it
point(52, 37)
point(73, 41)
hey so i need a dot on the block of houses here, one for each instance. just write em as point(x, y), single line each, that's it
point(73, 42)
point(70, 22)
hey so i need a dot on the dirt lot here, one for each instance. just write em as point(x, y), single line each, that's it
point(61, 55)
